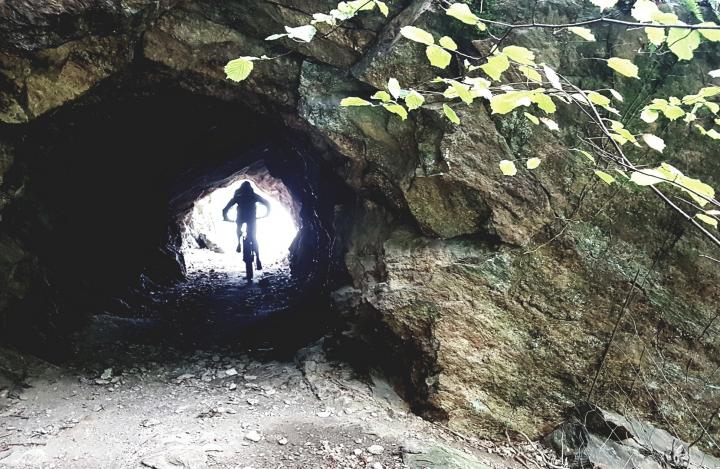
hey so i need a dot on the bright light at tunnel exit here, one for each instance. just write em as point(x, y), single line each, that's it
point(275, 232)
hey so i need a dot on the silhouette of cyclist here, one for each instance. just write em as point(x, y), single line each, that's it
point(247, 200)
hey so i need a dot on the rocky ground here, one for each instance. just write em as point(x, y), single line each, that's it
point(170, 390)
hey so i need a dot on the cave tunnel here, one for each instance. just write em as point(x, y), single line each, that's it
point(109, 206)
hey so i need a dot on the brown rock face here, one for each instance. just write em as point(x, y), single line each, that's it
point(490, 299)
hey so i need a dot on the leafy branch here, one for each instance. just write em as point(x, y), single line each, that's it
point(542, 86)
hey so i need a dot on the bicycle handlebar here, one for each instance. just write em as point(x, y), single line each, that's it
point(235, 221)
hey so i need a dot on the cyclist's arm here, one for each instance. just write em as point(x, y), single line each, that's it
point(228, 207)
point(263, 201)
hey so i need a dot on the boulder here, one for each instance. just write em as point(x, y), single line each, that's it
point(595, 437)
point(442, 457)
point(204, 242)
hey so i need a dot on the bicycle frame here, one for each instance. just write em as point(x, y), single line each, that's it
point(248, 250)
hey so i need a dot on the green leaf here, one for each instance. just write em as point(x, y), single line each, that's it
point(273, 37)
point(673, 112)
point(450, 93)
point(383, 96)
point(649, 115)
point(301, 33)
point(644, 10)
point(619, 138)
point(683, 42)
point(480, 87)
point(714, 73)
point(544, 102)
point(616, 95)
point(584, 33)
point(504, 103)
point(354, 101)
point(656, 36)
point(692, 99)
point(519, 55)
point(383, 7)
point(396, 109)
point(450, 114)
point(418, 35)
point(604, 4)
point(698, 190)
point(707, 219)
point(531, 118)
point(533, 163)
point(239, 69)
point(622, 173)
point(654, 142)
point(702, 131)
point(622, 132)
point(587, 155)
point(414, 100)
point(508, 168)
point(604, 176)
point(647, 177)
point(438, 56)
point(530, 73)
point(670, 172)
point(495, 66)
point(665, 18)
point(597, 98)
point(448, 43)
point(462, 91)
point(345, 11)
point(461, 12)
point(394, 87)
point(709, 91)
point(710, 34)
point(623, 67)
point(357, 5)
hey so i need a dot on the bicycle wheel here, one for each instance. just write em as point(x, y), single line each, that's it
point(248, 257)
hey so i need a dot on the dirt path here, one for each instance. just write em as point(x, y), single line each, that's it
point(170, 391)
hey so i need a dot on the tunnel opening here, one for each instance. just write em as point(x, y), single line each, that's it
point(211, 243)
point(110, 186)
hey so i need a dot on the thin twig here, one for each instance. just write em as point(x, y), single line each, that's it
point(598, 20)
point(704, 430)
point(28, 443)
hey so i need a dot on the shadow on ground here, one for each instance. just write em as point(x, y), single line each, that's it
point(214, 309)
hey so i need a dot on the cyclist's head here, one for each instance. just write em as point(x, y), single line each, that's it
point(246, 188)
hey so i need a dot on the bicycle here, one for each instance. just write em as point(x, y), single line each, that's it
point(249, 255)
point(249, 252)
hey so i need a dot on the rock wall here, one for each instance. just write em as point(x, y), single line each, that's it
point(495, 296)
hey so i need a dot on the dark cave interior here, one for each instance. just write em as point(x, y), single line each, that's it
point(108, 182)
